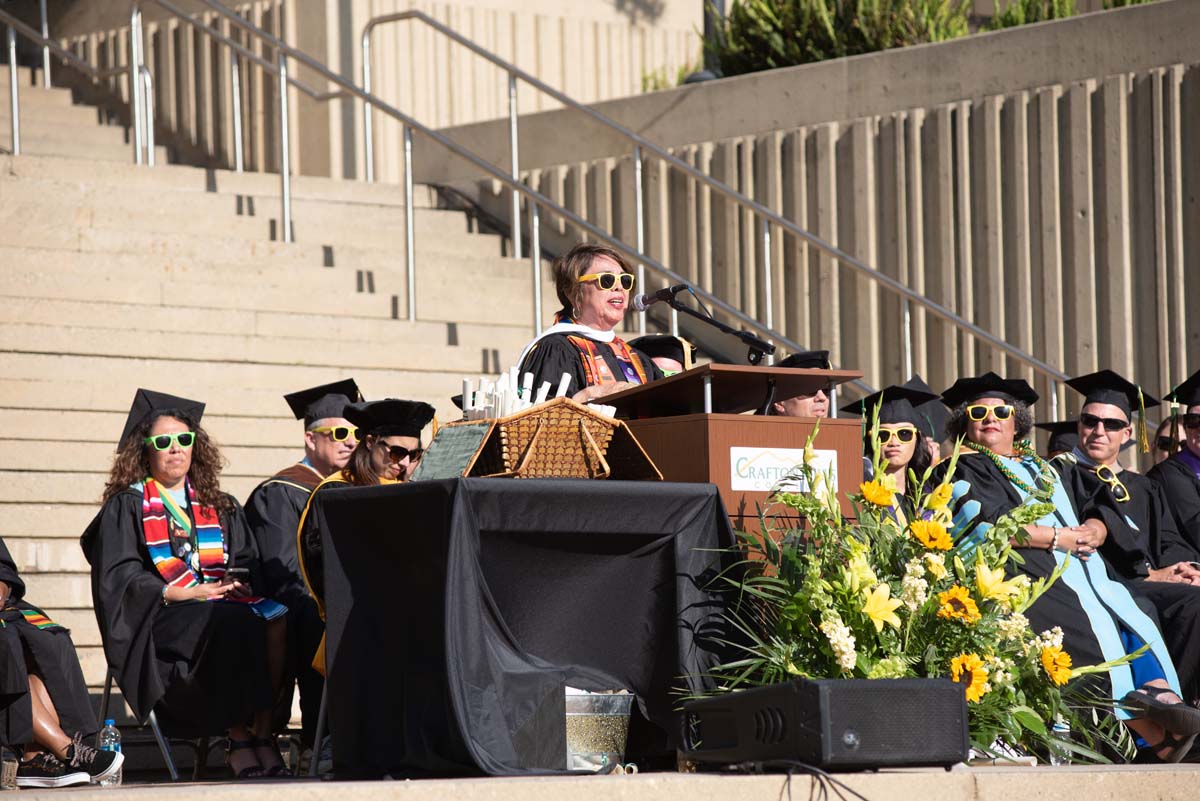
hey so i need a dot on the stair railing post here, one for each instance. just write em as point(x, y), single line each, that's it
point(410, 218)
point(639, 229)
point(147, 86)
point(285, 149)
point(535, 257)
point(368, 132)
point(45, 48)
point(235, 91)
point(14, 97)
point(515, 211)
point(767, 281)
point(135, 95)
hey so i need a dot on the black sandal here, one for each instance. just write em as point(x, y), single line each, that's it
point(254, 771)
point(1181, 719)
point(280, 771)
point(1181, 746)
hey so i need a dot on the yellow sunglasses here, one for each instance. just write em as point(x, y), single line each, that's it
point(337, 433)
point(902, 435)
point(607, 281)
point(979, 412)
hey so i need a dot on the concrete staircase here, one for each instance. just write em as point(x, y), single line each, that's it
point(114, 276)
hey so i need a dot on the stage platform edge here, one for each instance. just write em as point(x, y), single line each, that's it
point(1104, 783)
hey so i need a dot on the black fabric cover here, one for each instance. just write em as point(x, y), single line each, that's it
point(458, 609)
point(1182, 492)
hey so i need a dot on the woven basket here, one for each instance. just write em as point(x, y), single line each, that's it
point(557, 439)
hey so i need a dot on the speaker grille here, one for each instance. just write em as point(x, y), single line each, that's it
point(874, 722)
point(770, 725)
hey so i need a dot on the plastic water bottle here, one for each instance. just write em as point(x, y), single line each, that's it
point(110, 740)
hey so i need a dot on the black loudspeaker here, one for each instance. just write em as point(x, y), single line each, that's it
point(841, 724)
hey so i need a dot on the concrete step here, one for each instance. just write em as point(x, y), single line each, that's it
point(82, 622)
point(38, 107)
point(80, 148)
point(36, 127)
point(280, 431)
point(203, 347)
point(46, 456)
point(66, 520)
point(35, 555)
point(60, 487)
point(29, 88)
point(50, 311)
point(198, 179)
point(66, 590)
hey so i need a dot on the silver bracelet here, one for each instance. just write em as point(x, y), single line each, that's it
point(1054, 540)
point(164, 594)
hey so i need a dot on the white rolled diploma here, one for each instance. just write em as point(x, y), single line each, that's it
point(563, 383)
point(527, 387)
point(542, 392)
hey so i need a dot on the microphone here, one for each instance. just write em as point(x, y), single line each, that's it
point(643, 301)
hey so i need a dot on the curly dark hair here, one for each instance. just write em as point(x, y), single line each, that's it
point(956, 426)
point(131, 465)
point(922, 458)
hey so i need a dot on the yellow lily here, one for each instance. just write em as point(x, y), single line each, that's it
point(992, 584)
point(881, 608)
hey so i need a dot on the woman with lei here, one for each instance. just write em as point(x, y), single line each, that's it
point(173, 571)
point(999, 470)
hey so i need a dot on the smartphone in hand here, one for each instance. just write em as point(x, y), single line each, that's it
point(241, 574)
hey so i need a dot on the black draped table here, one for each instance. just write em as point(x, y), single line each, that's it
point(458, 610)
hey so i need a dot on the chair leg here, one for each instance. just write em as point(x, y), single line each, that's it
point(108, 680)
point(202, 747)
point(320, 733)
point(163, 746)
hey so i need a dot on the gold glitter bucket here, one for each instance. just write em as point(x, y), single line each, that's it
point(597, 726)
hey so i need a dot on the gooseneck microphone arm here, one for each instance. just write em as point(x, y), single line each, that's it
point(758, 346)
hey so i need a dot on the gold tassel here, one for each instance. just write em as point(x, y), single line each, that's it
point(1143, 440)
point(436, 426)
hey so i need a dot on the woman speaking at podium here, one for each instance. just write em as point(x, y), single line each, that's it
point(593, 284)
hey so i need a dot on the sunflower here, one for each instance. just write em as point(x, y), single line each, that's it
point(968, 669)
point(931, 534)
point(957, 604)
point(879, 492)
point(1057, 663)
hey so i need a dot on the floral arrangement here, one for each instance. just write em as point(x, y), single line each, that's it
point(891, 595)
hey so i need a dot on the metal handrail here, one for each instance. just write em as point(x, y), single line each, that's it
point(766, 215)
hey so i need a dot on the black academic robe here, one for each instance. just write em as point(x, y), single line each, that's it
point(1181, 489)
point(1143, 535)
point(312, 563)
point(49, 652)
point(201, 666)
point(555, 355)
point(1059, 605)
point(273, 513)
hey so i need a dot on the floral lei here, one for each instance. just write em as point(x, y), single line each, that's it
point(1023, 448)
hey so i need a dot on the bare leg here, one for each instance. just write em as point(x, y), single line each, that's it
point(1151, 732)
point(242, 758)
point(46, 729)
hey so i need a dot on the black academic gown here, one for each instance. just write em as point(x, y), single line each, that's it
point(273, 513)
point(312, 563)
point(1143, 534)
point(1059, 606)
point(201, 666)
point(555, 355)
point(48, 653)
point(1181, 489)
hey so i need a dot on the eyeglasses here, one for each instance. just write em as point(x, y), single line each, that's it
point(398, 453)
point(608, 281)
point(1106, 474)
point(1190, 421)
point(1163, 443)
point(338, 433)
point(183, 439)
point(902, 435)
point(1110, 424)
point(979, 412)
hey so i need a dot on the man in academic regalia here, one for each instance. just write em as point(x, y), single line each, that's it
point(814, 405)
point(43, 695)
point(1179, 476)
point(672, 354)
point(1144, 545)
point(273, 511)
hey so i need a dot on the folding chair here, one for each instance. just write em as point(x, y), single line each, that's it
point(200, 746)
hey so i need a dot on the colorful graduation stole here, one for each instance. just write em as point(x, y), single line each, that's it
point(35, 618)
point(157, 507)
point(597, 370)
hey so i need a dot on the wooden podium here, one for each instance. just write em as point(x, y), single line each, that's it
point(694, 428)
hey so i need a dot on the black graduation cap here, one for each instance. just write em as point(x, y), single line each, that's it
point(147, 403)
point(1187, 393)
point(1064, 435)
point(807, 359)
point(1108, 387)
point(896, 405)
point(934, 414)
point(327, 400)
point(989, 385)
point(666, 346)
point(390, 417)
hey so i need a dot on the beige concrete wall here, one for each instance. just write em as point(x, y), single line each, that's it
point(591, 50)
point(1062, 217)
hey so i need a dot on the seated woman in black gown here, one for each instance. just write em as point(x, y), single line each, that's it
point(43, 695)
point(1179, 475)
point(593, 283)
point(173, 565)
point(904, 449)
point(1099, 618)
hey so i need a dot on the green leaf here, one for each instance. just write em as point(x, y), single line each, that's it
point(1029, 720)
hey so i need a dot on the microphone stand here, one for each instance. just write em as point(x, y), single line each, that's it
point(759, 347)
